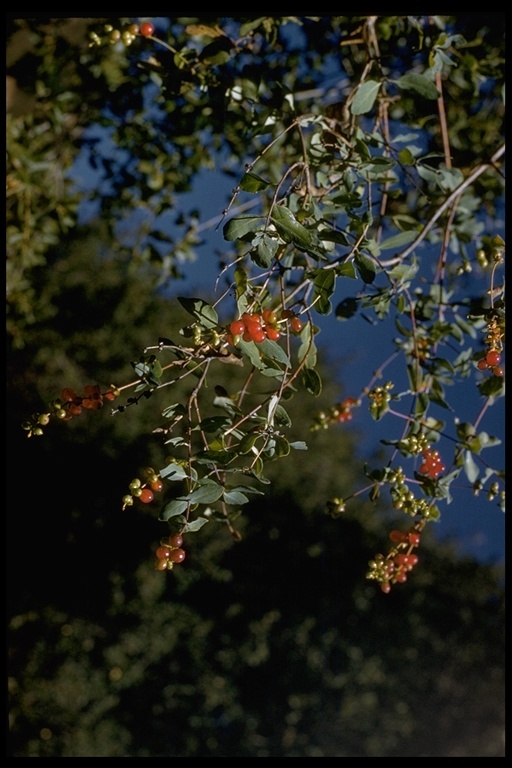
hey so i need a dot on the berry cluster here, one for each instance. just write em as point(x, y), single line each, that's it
point(126, 35)
point(491, 362)
point(379, 398)
point(335, 508)
point(413, 444)
point(343, 410)
point(70, 404)
point(258, 327)
point(170, 552)
point(143, 490)
point(404, 499)
point(337, 414)
point(432, 465)
point(395, 567)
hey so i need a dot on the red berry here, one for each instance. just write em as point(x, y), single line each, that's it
point(414, 538)
point(498, 370)
point(157, 485)
point(386, 587)
point(269, 316)
point(146, 29)
point(237, 327)
point(252, 320)
point(493, 358)
point(161, 565)
point(296, 324)
point(177, 555)
point(146, 496)
point(163, 553)
point(257, 334)
point(176, 540)
point(397, 536)
point(273, 334)
point(482, 364)
point(68, 394)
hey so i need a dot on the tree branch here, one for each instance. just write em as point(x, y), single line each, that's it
point(442, 208)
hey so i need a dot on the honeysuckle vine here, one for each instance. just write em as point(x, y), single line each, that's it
point(307, 227)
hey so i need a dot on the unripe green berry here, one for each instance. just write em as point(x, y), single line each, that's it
point(44, 419)
point(128, 500)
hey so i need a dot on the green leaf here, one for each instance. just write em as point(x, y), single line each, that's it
point(365, 97)
point(193, 525)
point(201, 310)
point(299, 445)
point(290, 229)
point(397, 241)
point(483, 440)
point(282, 446)
point(312, 381)
point(214, 423)
point(266, 249)
point(365, 267)
point(173, 508)
point(324, 282)
point(217, 52)
point(470, 467)
point(491, 386)
point(346, 308)
point(240, 281)
point(238, 227)
point(248, 442)
point(307, 351)
point(271, 350)
point(406, 157)
point(281, 417)
point(347, 270)
point(217, 457)
point(206, 492)
point(251, 182)
point(403, 272)
point(173, 472)
point(250, 350)
point(235, 497)
point(173, 410)
point(419, 84)
point(227, 404)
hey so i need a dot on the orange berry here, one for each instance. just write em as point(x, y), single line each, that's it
point(146, 496)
